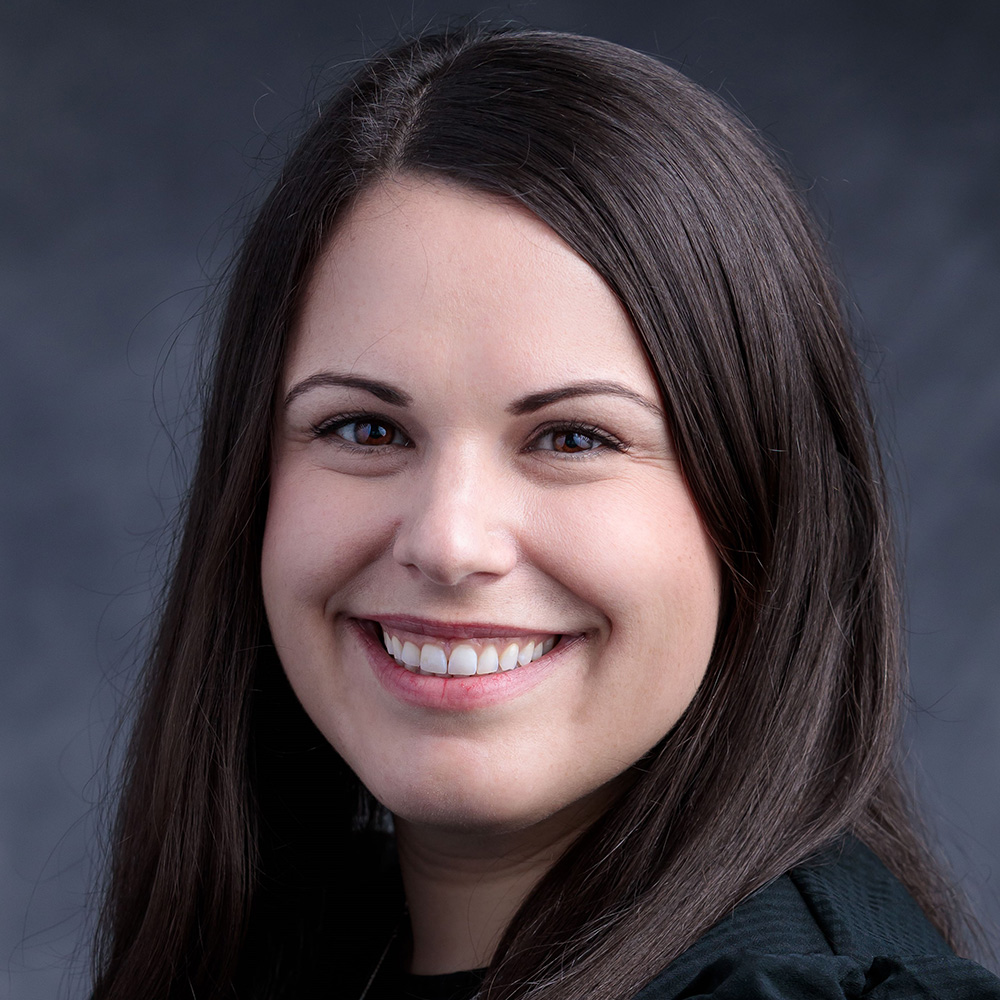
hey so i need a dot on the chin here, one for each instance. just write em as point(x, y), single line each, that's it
point(459, 805)
point(465, 814)
point(489, 803)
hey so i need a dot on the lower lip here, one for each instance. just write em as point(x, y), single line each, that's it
point(454, 694)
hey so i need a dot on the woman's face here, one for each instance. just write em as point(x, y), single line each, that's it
point(473, 469)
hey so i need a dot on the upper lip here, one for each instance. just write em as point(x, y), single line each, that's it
point(455, 630)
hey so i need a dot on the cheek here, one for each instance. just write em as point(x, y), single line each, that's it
point(643, 559)
point(639, 554)
point(313, 549)
point(318, 534)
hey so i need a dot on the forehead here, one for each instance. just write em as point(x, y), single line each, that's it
point(427, 273)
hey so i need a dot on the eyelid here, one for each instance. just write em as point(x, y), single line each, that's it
point(326, 429)
point(606, 439)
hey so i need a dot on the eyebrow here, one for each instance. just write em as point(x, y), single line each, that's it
point(526, 404)
point(537, 400)
point(381, 390)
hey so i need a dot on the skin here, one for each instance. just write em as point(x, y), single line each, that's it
point(570, 518)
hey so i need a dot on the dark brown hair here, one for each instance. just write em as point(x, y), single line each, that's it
point(238, 848)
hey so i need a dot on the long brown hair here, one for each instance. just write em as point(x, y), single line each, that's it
point(237, 848)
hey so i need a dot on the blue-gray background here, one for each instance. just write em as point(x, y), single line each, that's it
point(133, 134)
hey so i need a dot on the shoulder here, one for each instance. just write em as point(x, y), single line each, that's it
point(837, 928)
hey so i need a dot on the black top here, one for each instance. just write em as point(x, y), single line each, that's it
point(839, 928)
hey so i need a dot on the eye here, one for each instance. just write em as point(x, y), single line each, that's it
point(363, 430)
point(575, 439)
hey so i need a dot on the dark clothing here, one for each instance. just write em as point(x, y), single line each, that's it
point(839, 928)
point(454, 986)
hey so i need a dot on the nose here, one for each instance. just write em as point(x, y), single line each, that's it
point(458, 521)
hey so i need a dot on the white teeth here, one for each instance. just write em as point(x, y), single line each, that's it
point(508, 658)
point(462, 662)
point(432, 659)
point(489, 662)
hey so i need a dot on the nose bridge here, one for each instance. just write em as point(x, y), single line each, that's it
point(457, 518)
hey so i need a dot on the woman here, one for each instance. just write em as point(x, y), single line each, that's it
point(534, 627)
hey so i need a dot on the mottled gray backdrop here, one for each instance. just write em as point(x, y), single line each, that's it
point(133, 136)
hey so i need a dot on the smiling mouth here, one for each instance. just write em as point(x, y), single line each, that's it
point(422, 654)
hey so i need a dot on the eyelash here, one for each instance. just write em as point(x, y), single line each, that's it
point(603, 438)
point(329, 427)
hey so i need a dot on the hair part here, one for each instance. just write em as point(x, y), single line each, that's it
point(237, 846)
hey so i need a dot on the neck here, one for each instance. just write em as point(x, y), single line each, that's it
point(463, 888)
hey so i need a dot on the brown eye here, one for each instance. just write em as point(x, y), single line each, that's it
point(370, 432)
point(364, 432)
point(573, 441)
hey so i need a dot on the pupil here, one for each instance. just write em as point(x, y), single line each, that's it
point(574, 441)
point(371, 433)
